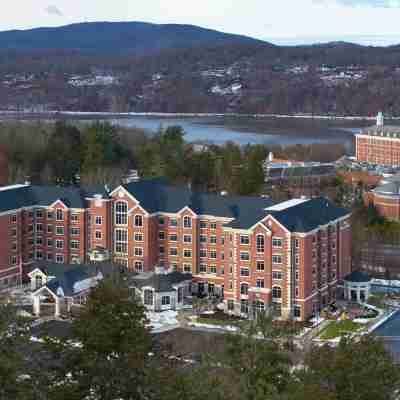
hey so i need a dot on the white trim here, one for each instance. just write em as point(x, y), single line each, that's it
point(119, 188)
point(52, 205)
point(146, 214)
point(276, 221)
point(307, 298)
point(187, 208)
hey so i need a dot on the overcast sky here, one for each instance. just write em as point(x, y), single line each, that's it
point(279, 21)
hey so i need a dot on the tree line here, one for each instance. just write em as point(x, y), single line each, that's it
point(110, 354)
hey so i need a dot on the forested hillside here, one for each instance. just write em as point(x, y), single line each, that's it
point(140, 67)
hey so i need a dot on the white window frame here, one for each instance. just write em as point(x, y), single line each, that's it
point(121, 217)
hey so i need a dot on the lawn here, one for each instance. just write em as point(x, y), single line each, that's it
point(211, 321)
point(338, 328)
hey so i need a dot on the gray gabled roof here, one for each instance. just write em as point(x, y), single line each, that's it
point(303, 217)
point(160, 282)
point(156, 196)
point(15, 197)
point(67, 276)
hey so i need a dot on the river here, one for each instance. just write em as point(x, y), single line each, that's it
point(239, 129)
point(268, 131)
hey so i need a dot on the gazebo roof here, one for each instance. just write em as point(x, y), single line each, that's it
point(357, 276)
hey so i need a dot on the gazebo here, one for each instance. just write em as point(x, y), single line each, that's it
point(357, 286)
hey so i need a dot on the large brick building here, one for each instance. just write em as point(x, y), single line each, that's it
point(379, 144)
point(386, 198)
point(245, 249)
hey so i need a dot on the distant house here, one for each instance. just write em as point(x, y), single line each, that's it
point(161, 291)
point(63, 286)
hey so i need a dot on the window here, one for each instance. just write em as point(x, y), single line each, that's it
point(333, 259)
point(161, 220)
point(173, 222)
point(49, 242)
point(277, 242)
point(213, 239)
point(297, 260)
point(39, 214)
point(297, 311)
point(187, 238)
point(75, 231)
point(59, 258)
point(258, 306)
point(165, 300)
point(277, 259)
point(213, 226)
point(99, 220)
point(13, 218)
point(121, 241)
point(59, 230)
point(276, 292)
point(260, 266)
point(244, 289)
point(39, 255)
point(223, 240)
point(296, 292)
point(39, 241)
point(213, 269)
point(222, 256)
point(260, 244)
point(13, 260)
point(296, 243)
point(260, 283)
point(121, 213)
point(297, 275)
point(14, 246)
point(203, 239)
point(49, 229)
point(138, 220)
point(314, 239)
point(138, 251)
point(74, 218)
point(213, 254)
point(74, 245)
point(203, 224)
point(230, 285)
point(39, 227)
point(244, 239)
point(161, 235)
point(173, 237)
point(203, 253)
point(244, 306)
point(173, 251)
point(187, 222)
point(148, 297)
point(231, 305)
point(59, 215)
point(138, 266)
point(244, 272)
point(59, 244)
point(187, 253)
point(49, 257)
point(98, 235)
point(245, 256)
point(203, 268)
point(138, 237)
point(187, 268)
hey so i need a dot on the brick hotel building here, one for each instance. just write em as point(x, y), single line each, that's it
point(245, 249)
point(379, 144)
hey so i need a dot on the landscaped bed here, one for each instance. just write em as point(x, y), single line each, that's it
point(336, 329)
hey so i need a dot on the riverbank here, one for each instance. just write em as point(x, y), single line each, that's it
point(57, 113)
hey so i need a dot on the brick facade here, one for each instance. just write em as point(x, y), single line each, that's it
point(251, 267)
point(379, 150)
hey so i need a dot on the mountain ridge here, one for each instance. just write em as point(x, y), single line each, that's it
point(135, 37)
